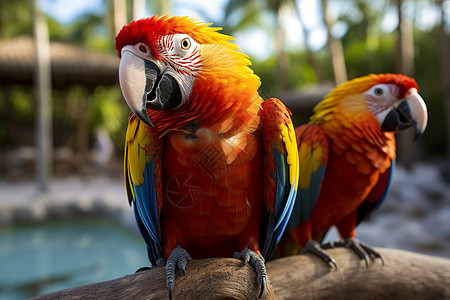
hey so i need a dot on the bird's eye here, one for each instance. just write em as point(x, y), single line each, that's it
point(143, 49)
point(185, 44)
point(379, 91)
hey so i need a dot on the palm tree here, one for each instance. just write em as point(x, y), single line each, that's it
point(43, 95)
point(405, 54)
point(312, 58)
point(251, 13)
point(335, 46)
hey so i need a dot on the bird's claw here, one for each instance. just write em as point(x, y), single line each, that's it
point(315, 248)
point(363, 251)
point(177, 259)
point(257, 262)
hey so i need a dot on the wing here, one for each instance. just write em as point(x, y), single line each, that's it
point(142, 166)
point(280, 173)
point(377, 195)
point(313, 150)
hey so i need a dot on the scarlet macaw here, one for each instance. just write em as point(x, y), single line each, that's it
point(347, 154)
point(210, 168)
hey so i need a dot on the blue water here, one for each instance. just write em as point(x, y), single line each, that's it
point(44, 258)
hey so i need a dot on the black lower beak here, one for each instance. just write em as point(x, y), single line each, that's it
point(161, 92)
point(400, 118)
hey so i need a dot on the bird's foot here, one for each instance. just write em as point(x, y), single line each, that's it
point(257, 262)
point(315, 248)
point(177, 259)
point(363, 251)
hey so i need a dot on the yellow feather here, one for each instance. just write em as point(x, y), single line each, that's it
point(288, 135)
point(344, 97)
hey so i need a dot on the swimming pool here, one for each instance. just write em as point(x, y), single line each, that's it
point(57, 255)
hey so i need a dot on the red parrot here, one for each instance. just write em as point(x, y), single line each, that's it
point(347, 154)
point(210, 168)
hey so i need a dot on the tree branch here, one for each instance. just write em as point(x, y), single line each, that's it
point(405, 275)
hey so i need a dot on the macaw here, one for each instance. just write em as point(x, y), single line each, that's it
point(347, 154)
point(211, 169)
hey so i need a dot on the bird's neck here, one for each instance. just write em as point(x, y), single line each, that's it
point(224, 110)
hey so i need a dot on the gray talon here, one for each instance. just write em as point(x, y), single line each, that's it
point(177, 259)
point(262, 283)
point(315, 248)
point(363, 251)
point(257, 262)
point(170, 287)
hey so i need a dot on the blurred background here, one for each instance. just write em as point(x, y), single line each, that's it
point(64, 216)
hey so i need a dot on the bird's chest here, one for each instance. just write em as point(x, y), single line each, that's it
point(345, 187)
point(211, 184)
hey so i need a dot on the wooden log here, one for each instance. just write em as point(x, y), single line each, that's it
point(405, 275)
point(223, 278)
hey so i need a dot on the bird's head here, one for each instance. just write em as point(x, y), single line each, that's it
point(392, 98)
point(169, 62)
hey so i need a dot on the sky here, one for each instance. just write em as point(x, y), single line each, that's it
point(252, 41)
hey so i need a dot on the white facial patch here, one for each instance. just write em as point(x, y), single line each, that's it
point(182, 56)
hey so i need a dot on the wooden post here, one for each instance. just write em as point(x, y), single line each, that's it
point(335, 46)
point(405, 66)
point(119, 15)
point(43, 92)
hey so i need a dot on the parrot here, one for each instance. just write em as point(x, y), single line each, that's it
point(347, 157)
point(211, 169)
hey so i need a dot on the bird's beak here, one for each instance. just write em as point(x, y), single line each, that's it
point(412, 111)
point(144, 87)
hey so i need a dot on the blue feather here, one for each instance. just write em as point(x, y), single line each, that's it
point(146, 202)
point(306, 199)
point(284, 203)
point(388, 186)
point(310, 195)
point(280, 162)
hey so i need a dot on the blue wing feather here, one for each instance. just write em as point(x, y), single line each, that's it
point(309, 196)
point(313, 148)
point(306, 199)
point(146, 213)
point(284, 205)
point(388, 186)
point(146, 202)
point(281, 163)
point(140, 178)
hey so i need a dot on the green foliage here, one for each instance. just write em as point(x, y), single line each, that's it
point(17, 111)
point(108, 110)
point(102, 107)
point(300, 73)
point(362, 60)
point(22, 104)
point(266, 71)
point(15, 18)
point(428, 77)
